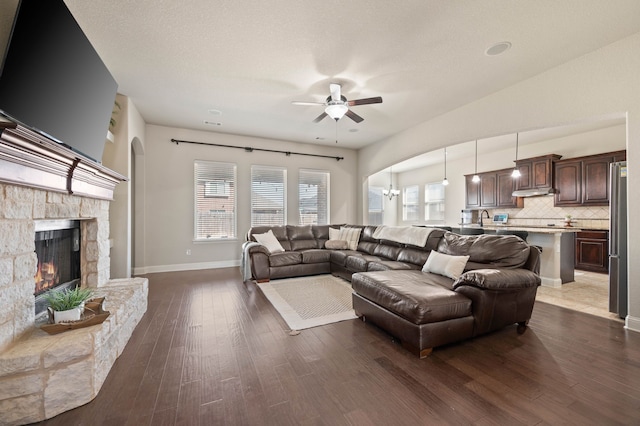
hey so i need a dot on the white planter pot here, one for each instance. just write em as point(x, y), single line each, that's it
point(68, 315)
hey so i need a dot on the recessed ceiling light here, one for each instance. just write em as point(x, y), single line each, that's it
point(215, 112)
point(212, 123)
point(498, 48)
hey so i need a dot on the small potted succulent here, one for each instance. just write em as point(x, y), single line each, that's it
point(68, 305)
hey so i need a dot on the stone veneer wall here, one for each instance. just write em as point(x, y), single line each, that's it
point(42, 375)
point(20, 207)
point(540, 211)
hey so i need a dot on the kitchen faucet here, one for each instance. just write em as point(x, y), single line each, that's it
point(482, 214)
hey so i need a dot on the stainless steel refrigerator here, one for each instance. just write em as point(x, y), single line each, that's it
point(618, 240)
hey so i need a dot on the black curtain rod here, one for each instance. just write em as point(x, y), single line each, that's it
point(250, 149)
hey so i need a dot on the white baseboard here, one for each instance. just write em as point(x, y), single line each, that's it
point(632, 323)
point(551, 282)
point(185, 267)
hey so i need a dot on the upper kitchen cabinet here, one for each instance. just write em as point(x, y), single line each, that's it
point(584, 181)
point(493, 191)
point(536, 172)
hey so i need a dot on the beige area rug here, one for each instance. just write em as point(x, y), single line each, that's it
point(310, 301)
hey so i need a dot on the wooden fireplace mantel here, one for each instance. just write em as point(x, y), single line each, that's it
point(30, 159)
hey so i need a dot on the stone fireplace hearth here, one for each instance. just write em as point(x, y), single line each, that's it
point(43, 375)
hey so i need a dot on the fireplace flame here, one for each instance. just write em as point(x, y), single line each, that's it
point(46, 277)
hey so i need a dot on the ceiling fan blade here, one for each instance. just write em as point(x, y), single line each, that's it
point(320, 117)
point(365, 101)
point(352, 115)
point(307, 103)
point(335, 91)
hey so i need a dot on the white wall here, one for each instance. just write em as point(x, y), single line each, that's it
point(117, 156)
point(598, 84)
point(169, 202)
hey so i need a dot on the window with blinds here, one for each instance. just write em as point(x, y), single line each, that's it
point(410, 206)
point(215, 200)
point(268, 195)
point(313, 197)
point(376, 205)
point(434, 202)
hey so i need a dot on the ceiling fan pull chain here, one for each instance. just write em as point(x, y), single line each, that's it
point(336, 131)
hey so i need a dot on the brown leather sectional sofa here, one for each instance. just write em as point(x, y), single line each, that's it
point(422, 309)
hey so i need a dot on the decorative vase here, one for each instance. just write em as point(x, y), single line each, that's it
point(68, 315)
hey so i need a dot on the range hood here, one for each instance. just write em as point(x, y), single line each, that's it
point(534, 192)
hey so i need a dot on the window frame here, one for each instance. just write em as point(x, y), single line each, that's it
point(326, 180)
point(268, 169)
point(219, 170)
point(428, 202)
point(405, 204)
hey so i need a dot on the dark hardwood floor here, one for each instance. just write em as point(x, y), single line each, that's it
point(211, 350)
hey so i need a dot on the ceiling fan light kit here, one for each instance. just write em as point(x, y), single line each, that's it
point(337, 106)
point(336, 111)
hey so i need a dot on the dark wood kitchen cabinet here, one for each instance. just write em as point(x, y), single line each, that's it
point(493, 191)
point(505, 185)
point(592, 251)
point(536, 172)
point(584, 181)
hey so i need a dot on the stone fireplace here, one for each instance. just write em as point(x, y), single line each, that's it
point(41, 182)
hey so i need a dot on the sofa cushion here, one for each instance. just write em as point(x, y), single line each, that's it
point(389, 265)
point(320, 234)
point(388, 251)
point(285, 258)
point(339, 257)
point(315, 256)
point(413, 255)
point(359, 263)
point(445, 264)
point(418, 297)
point(269, 241)
point(495, 251)
point(301, 237)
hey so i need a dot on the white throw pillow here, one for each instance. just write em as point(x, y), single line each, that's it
point(336, 245)
point(269, 241)
point(351, 236)
point(445, 264)
point(334, 234)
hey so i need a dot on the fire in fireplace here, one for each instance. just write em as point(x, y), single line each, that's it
point(58, 251)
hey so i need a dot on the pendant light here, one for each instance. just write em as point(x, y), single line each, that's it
point(516, 171)
point(476, 178)
point(445, 181)
point(390, 193)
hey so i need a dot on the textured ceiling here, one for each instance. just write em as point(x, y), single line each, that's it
point(177, 60)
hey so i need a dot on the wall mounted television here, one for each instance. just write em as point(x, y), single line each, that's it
point(53, 81)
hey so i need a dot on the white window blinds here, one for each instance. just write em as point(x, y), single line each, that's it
point(268, 195)
point(410, 206)
point(215, 200)
point(434, 202)
point(313, 197)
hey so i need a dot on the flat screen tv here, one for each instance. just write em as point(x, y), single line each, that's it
point(53, 81)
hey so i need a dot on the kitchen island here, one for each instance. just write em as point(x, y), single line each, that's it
point(558, 251)
point(557, 260)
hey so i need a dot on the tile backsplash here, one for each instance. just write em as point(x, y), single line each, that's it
point(540, 211)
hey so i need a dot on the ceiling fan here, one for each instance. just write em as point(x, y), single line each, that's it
point(337, 106)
